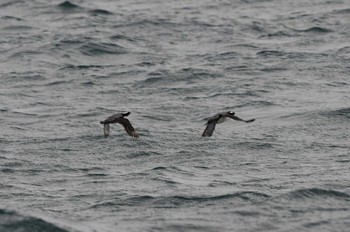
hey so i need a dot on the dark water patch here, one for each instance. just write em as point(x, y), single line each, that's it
point(202, 167)
point(26, 54)
point(258, 27)
point(152, 24)
point(246, 69)
point(269, 53)
point(97, 174)
point(18, 28)
point(105, 204)
point(12, 164)
point(246, 213)
point(173, 170)
point(146, 64)
point(314, 30)
point(152, 80)
point(7, 17)
point(317, 30)
point(24, 76)
point(83, 67)
point(64, 42)
point(343, 161)
point(166, 181)
point(11, 3)
point(40, 104)
point(7, 170)
point(186, 200)
point(3, 152)
point(196, 73)
point(316, 224)
point(220, 184)
point(273, 69)
point(315, 193)
point(24, 113)
point(290, 55)
point(340, 113)
point(159, 168)
point(278, 34)
point(343, 11)
point(182, 227)
point(218, 57)
point(337, 84)
point(100, 12)
point(138, 200)
point(68, 6)
point(122, 37)
point(88, 83)
point(54, 83)
point(13, 221)
point(98, 49)
point(140, 154)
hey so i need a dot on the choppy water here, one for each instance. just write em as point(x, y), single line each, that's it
point(67, 65)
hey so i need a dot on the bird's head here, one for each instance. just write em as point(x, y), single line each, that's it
point(231, 113)
point(125, 113)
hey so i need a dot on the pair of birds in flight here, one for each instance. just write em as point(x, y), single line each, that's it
point(212, 121)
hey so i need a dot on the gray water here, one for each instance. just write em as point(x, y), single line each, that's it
point(65, 66)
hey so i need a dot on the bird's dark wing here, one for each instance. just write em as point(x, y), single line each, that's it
point(239, 119)
point(128, 127)
point(106, 129)
point(209, 129)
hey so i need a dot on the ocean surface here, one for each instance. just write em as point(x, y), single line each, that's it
point(66, 65)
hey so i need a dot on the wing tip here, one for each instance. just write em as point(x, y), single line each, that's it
point(135, 135)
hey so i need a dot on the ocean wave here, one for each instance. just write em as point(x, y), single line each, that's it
point(342, 11)
point(290, 55)
point(12, 221)
point(25, 54)
point(314, 194)
point(54, 83)
point(68, 6)
point(8, 17)
point(83, 66)
point(319, 30)
point(97, 49)
point(122, 37)
point(247, 196)
point(100, 12)
point(218, 56)
point(184, 200)
point(19, 77)
point(279, 34)
point(18, 28)
point(10, 3)
point(343, 113)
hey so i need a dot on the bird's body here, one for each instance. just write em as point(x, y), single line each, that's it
point(220, 118)
point(119, 118)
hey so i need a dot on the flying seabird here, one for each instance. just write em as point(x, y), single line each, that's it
point(219, 118)
point(119, 118)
